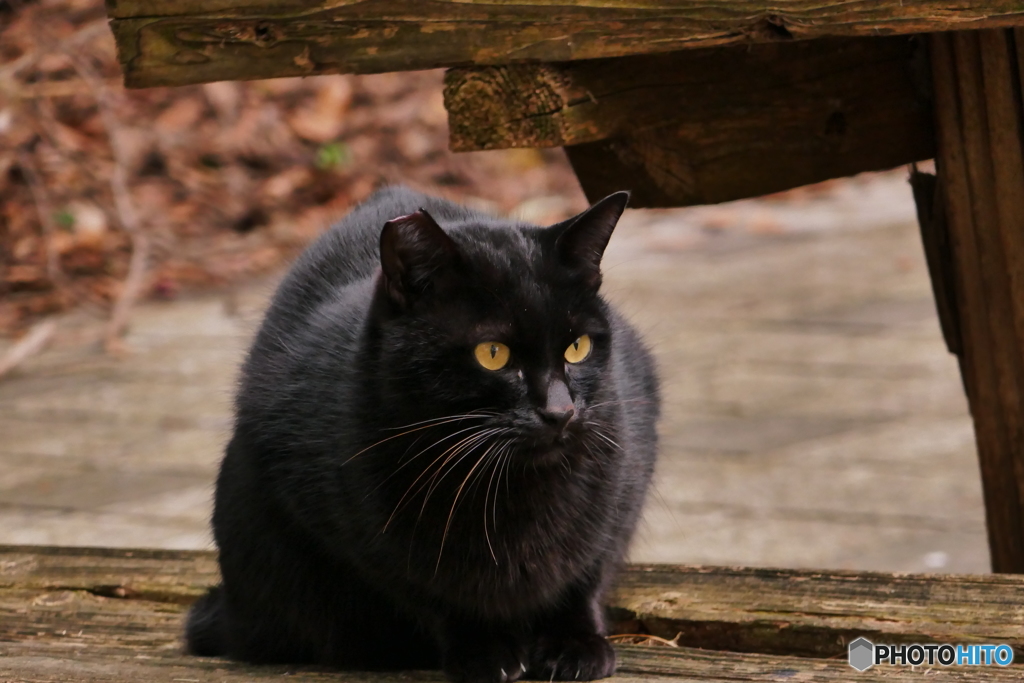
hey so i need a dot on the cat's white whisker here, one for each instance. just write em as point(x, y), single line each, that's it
point(460, 454)
point(619, 402)
point(498, 461)
point(451, 452)
point(505, 466)
point(458, 492)
point(475, 413)
point(565, 465)
point(409, 490)
point(595, 429)
point(422, 451)
point(410, 431)
point(485, 457)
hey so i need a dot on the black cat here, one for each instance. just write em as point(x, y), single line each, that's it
point(443, 440)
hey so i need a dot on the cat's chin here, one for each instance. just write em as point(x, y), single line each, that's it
point(551, 455)
point(552, 451)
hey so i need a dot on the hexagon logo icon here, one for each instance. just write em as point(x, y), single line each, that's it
point(862, 654)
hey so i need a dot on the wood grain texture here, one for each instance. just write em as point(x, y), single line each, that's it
point(637, 664)
point(705, 126)
point(816, 613)
point(116, 615)
point(175, 42)
point(814, 88)
point(978, 120)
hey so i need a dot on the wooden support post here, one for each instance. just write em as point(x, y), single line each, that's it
point(979, 117)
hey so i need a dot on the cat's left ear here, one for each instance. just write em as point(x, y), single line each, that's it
point(415, 256)
point(583, 238)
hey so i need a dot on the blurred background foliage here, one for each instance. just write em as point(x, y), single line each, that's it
point(205, 184)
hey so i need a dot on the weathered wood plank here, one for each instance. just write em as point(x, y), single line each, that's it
point(175, 576)
point(83, 614)
point(688, 664)
point(78, 597)
point(816, 613)
point(174, 42)
point(636, 665)
point(96, 665)
point(705, 126)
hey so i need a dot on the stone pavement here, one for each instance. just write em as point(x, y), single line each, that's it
point(813, 417)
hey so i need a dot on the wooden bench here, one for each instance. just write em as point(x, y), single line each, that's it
point(683, 102)
point(688, 102)
point(89, 614)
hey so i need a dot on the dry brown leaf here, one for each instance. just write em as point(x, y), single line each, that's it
point(181, 115)
point(324, 118)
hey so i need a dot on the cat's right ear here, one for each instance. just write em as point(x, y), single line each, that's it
point(581, 240)
point(414, 253)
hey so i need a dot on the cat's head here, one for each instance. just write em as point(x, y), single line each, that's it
point(501, 322)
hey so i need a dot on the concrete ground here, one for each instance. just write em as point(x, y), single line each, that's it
point(813, 417)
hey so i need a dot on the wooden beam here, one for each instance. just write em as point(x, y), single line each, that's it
point(731, 98)
point(981, 178)
point(176, 42)
point(705, 126)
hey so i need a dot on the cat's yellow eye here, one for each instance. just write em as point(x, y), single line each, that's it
point(491, 355)
point(578, 350)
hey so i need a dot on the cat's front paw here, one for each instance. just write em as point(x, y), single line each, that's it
point(502, 660)
point(572, 658)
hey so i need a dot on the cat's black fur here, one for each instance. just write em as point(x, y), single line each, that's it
point(388, 502)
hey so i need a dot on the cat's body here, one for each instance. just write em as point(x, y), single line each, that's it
point(389, 501)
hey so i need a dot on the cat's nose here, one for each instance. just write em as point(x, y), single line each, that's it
point(557, 418)
point(558, 408)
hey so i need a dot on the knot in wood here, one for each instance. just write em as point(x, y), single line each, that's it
point(770, 27)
